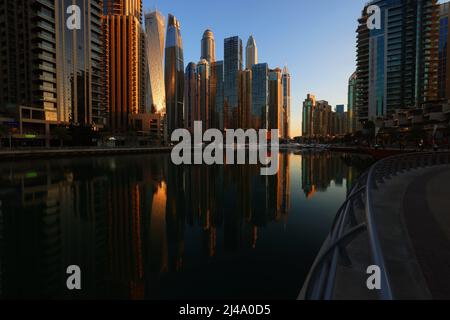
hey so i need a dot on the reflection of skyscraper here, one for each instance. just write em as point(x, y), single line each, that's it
point(208, 47)
point(251, 53)
point(79, 56)
point(232, 74)
point(174, 75)
point(260, 96)
point(286, 110)
point(154, 27)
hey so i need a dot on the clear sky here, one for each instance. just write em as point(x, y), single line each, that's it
point(314, 38)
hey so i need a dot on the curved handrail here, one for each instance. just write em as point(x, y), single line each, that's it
point(319, 285)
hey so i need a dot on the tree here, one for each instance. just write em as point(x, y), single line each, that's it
point(62, 134)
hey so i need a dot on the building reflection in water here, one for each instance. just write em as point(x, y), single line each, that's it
point(124, 220)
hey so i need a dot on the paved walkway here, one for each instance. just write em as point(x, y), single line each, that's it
point(427, 215)
point(413, 215)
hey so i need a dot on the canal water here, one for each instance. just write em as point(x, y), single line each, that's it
point(142, 228)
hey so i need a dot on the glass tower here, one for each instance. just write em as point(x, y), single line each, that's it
point(260, 96)
point(174, 76)
point(232, 74)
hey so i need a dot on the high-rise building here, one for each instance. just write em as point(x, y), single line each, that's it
point(208, 47)
point(79, 66)
point(191, 112)
point(251, 53)
point(322, 119)
point(444, 51)
point(154, 30)
point(216, 90)
point(174, 75)
point(203, 93)
point(309, 106)
point(397, 64)
point(126, 67)
point(260, 96)
point(275, 119)
point(246, 99)
point(286, 82)
point(28, 84)
point(232, 75)
point(351, 106)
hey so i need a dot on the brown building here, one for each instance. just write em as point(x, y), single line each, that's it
point(246, 99)
point(275, 116)
point(125, 60)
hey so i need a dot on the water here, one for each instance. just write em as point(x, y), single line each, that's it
point(141, 228)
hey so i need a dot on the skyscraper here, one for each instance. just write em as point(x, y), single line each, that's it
point(232, 75)
point(203, 92)
point(275, 120)
point(397, 64)
point(260, 96)
point(246, 99)
point(28, 85)
point(308, 110)
point(217, 86)
point(174, 76)
point(80, 95)
point(286, 82)
point(125, 62)
point(444, 51)
point(208, 47)
point(351, 111)
point(251, 53)
point(191, 112)
point(154, 29)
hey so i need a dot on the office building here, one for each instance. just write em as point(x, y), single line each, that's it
point(351, 106)
point(191, 112)
point(174, 75)
point(260, 96)
point(397, 64)
point(275, 119)
point(251, 53)
point(232, 77)
point(208, 47)
point(217, 91)
point(286, 110)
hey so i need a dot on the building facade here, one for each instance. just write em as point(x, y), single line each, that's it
point(286, 83)
point(260, 96)
point(397, 64)
point(208, 47)
point(275, 117)
point(174, 76)
point(251, 53)
point(126, 65)
point(352, 113)
point(232, 85)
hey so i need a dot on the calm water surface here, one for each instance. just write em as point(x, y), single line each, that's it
point(141, 228)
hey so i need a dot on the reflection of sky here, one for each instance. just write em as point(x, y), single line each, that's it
point(102, 202)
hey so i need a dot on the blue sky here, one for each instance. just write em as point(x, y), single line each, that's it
point(314, 38)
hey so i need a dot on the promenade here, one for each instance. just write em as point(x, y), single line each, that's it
point(77, 152)
point(404, 229)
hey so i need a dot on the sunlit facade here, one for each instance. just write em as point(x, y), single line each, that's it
point(251, 53)
point(286, 110)
point(208, 47)
point(191, 112)
point(154, 30)
point(79, 66)
point(174, 76)
point(203, 93)
point(216, 87)
point(125, 63)
point(308, 109)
